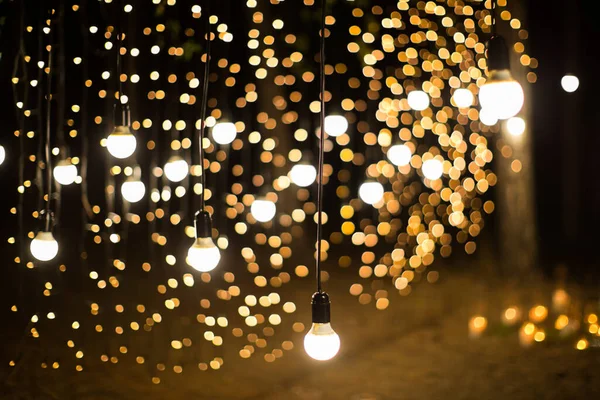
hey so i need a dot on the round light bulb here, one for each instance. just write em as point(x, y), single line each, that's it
point(336, 125)
point(176, 169)
point(321, 342)
point(487, 117)
point(569, 83)
point(433, 169)
point(303, 175)
point(44, 247)
point(371, 192)
point(502, 95)
point(203, 255)
point(121, 143)
point(2, 154)
point(133, 190)
point(418, 100)
point(399, 154)
point(515, 126)
point(224, 132)
point(263, 210)
point(463, 97)
point(65, 173)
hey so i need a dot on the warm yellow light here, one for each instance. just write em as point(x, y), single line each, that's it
point(121, 143)
point(371, 192)
point(303, 175)
point(321, 342)
point(203, 255)
point(463, 97)
point(44, 247)
point(515, 126)
point(224, 132)
point(433, 169)
point(501, 94)
point(418, 100)
point(176, 169)
point(569, 83)
point(65, 172)
point(335, 125)
point(399, 155)
point(263, 210)
point(133, 190)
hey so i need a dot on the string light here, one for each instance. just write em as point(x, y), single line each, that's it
point(176, 169)
point(263, 210)
point(303, 175)
point(224, 132)
point(371, 192)
point(569, 83)
point(65, 172)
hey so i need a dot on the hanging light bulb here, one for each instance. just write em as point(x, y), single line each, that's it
point(371, 192)
point(2, 154)
point(203, 255)
point(321, 342)
point(500, 94)
point(65, 172)
point(303, 175)
point(463, 97)
point(224, 132)
point(418, 100)
point(121, 142)
point(44, 247)
point(336, 125)
point(176, 169)
point(399, 154)
point(133, 190)
point(433, 169)
point(263, 210)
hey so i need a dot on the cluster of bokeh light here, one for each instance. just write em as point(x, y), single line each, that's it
point(404, 77)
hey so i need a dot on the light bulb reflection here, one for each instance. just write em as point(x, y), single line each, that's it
point(336, 125)
point(176, 169)
point(203, 255)
point(418, 100)
point(371, 192)
point(133, 190)
point(399, 155)
point(224, 132)
point(44, 247)
point(121, 143)
point(303, 175)
point(433, 169)
point(65, 172)
point(321, 342)
point(263, 210)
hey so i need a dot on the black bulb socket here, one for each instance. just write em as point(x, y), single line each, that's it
point(321, 308)
point(497, 54)
point(121, 114)
point(203, 224)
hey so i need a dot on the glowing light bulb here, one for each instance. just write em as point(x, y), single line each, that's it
point(121, 143)
point(133, 190)
point(515, 126)
point(44, 247)
point(371, 192)
point(399, 155)
point(502, 95)
point(203, 255)
point(303, 175)
point(65, 172)
point(463, 97)
point(418, 100)
point(224, 132)
point(321, 342)
point(2, 154)
point(433, 169)
point(263, 210)
point(336, 125)
point(487, 117)
point(176, 169)
point(569, 83)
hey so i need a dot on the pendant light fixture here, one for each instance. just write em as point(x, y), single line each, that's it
point(321, 342)
point(501, 94)
point(204, 255)
point(44, 247)
point(121, 143)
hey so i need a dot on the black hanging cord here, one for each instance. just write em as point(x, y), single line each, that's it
point(48, 117)
point(203, 103)
point(119, 36)
point(321, 146)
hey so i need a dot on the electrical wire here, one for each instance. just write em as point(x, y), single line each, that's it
point(48, 118)
point(321, 146)
point(203, 104)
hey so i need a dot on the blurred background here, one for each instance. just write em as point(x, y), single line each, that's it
point(482, 283)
